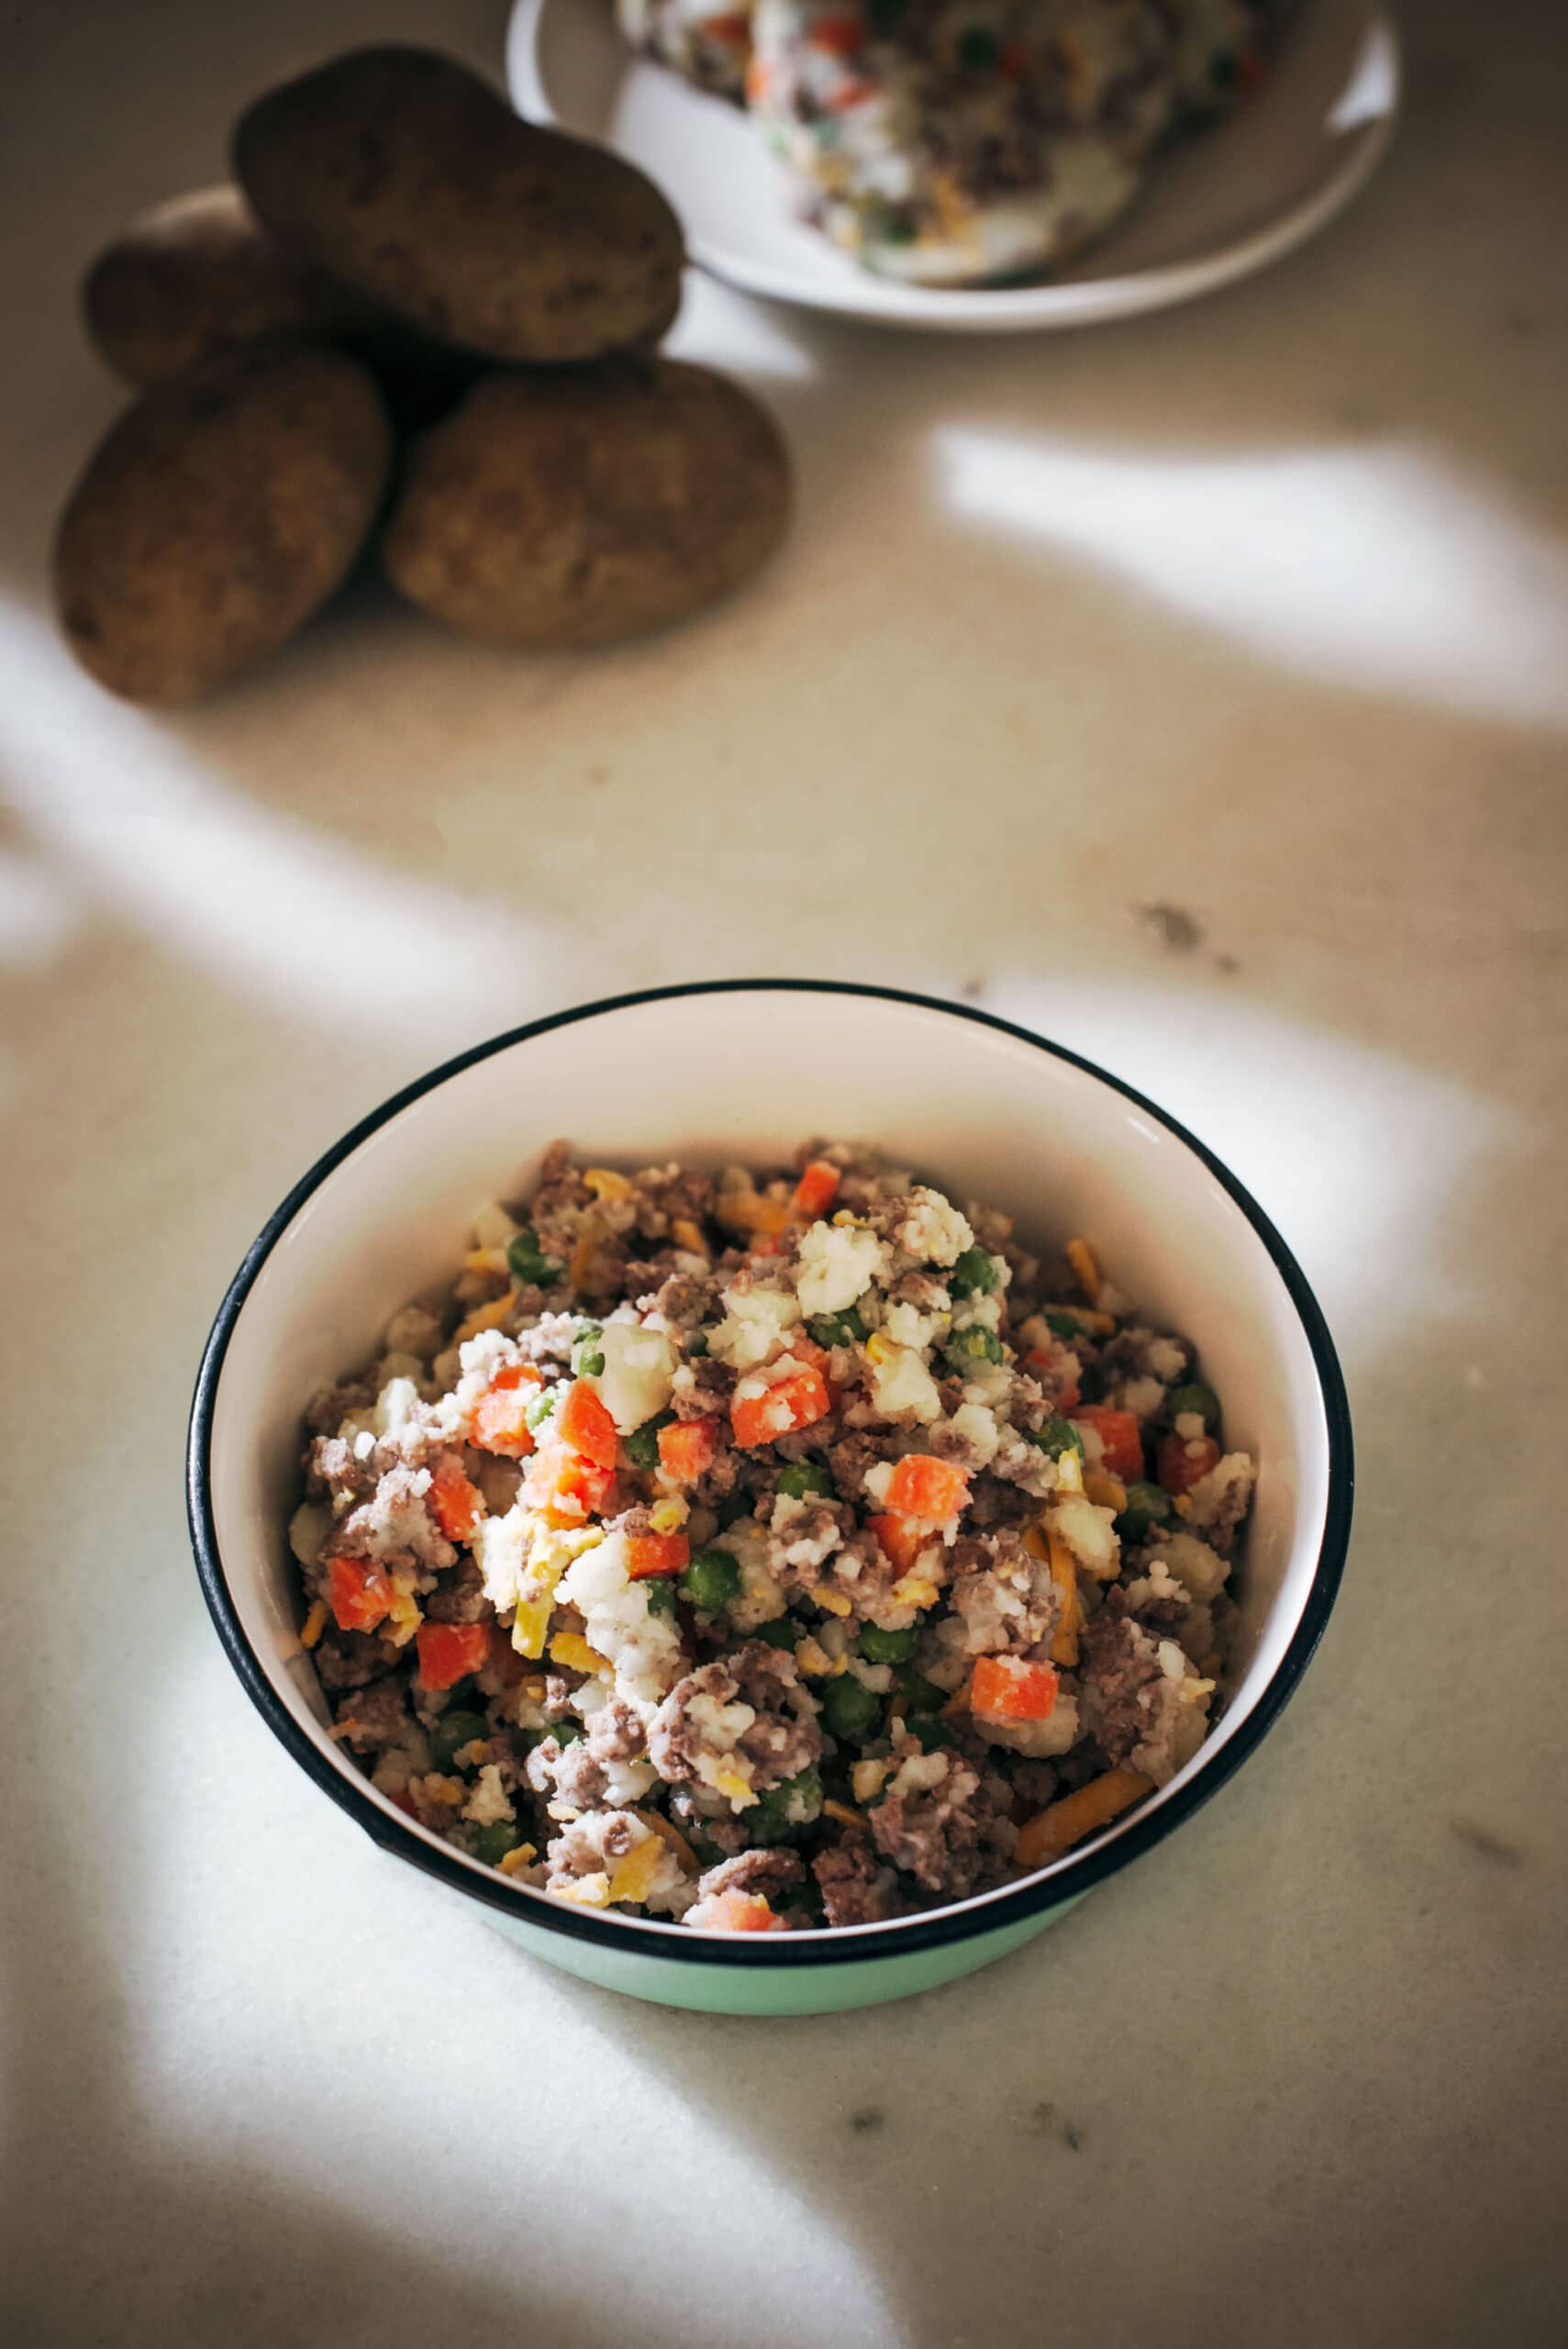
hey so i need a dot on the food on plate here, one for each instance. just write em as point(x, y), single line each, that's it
point(768, 1549)
point(1222, 50)
point(411, 181)
point(195, 275)
point(218, 513)
point(579, 509)
point(707, 45)
point(971, 142)
point(963, 143)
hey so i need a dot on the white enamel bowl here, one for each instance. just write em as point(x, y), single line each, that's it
point(744, 1071)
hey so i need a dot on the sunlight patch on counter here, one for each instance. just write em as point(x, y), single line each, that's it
point(1354, 1152)
point(288, 917)
point(1378, 568)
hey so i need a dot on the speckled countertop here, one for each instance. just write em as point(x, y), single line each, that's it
point(1195, 689)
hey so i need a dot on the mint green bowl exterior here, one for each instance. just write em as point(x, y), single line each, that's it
point(804, 1990)
point(940, 1086)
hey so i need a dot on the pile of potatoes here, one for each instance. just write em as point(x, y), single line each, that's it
point(419, 318)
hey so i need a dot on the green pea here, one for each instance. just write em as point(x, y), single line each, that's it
point(782, 1633)
point(707, 1849)
point(1061, 1324)
point(878, 1646)
point(803, 1477)
point(642, 1443)
point(1057, 1436)
point(540, 1408)
point(1146, 1506)
point(587, 1355)
point(976, 1273)
point(1193, 1397)
point(931, 1734)
point(831, 1330)
point(452, 1732)
point(712, 1580)
point(491, 1843)
point(849, 1709)
point(920, 1695)
point(563, 1732)
point(661, 1593)
point(977, 48)
point(696, 1345)
point(780, 1810)
point(966, 1347)
point(529, 1262)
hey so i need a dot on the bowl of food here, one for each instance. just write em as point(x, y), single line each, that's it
point(771, 1490)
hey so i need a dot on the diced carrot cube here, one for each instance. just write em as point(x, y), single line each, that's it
point(582, 1420)
point(840, 36)
point(815, 1191)
point(791, 1403)
point(899, 1538)
point(923, 1487)
point(403, 1800)
point(359, 1593)
point(1119, 1432)
point(454, 1501)
point(687, 1449)
point(567, 1486)
point(449, 1652)
point(1180, 1464)
point(648, 1555)
point(740, 1912)
point(497, 1421)
point(1008, 1688)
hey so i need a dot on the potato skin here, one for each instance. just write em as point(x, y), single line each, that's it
point(197, 276)
point(563, 510)
point(219, 512)
point(405, 177)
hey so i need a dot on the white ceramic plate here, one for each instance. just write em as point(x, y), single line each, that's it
point(1220, 205)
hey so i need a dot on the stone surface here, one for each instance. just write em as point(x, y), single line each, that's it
point(1195, 690)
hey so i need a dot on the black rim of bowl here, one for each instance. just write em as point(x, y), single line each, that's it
point(1077, 1873)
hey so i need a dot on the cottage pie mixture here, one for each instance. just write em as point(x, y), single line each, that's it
point(768, 1550)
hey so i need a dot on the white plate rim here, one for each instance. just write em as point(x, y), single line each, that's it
point(1034, 308)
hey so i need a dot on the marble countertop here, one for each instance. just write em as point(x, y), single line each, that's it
point(1195, 690)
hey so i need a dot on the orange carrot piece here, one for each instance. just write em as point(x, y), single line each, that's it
point(740, 1912)
point(497, 1421)
point(1051, 1832)
point(793, 1402)
point(359, 1593)
point(687, 1449)
point(922, 1486)
point(1119, 1433)
point(815, 1193)
point(1178, 1468)
point(582, 1420)
point(454, 1501)
point(656, 1553)
point(899, 1537)
point(449, 1652)
point(1008, 1688)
